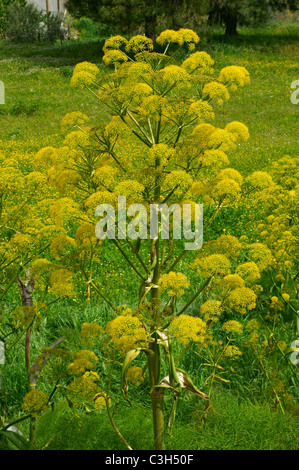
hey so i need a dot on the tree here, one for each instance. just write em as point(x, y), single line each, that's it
point(231, 12)
point(138, 16)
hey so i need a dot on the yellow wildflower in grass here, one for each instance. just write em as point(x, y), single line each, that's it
point(126, 332)
point(174, 283)
point(35, 402)
point(160, 154)
point(211, 310)
point(174, 75)
point(152, 106)
point(100, 197)
point(232, 326)
point(135, 375)
point(41, 266)
point(77, 139)
point(45, 158)
point(188, 37)
point(232, 352)
point(132, 189)
point(82, 79)
point(186, 329)
point(91, 333)
point(178, 178)
point(285, 296)
point(253, 325)
point(62, 210)
point(260, 180)
point(249, 272)
point(242, 299)
point(227, 245)
point(62, 283)
point(232, 174)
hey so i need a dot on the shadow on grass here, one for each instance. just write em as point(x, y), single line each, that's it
point(71, 52)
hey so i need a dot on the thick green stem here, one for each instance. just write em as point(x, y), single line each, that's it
point(157, 396)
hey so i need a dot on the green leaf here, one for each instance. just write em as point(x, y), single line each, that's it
point(19, 441)
point(131, 355)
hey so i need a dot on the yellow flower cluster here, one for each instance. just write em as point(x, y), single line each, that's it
point(186, 329)
point(73, 119)
point(215, 91)
point(62, 283)
point(174, 283)
point(234, 76)
point(211, 310)
point(242, 299)
point(84, 74)
point(35, 402)
point(83, 388)
point(180, 37)
point(135, 375)
point(126, 333)
point(84, 360)
point(91, 333)
point(199, 62)
point(232, 326)
point(213, 264)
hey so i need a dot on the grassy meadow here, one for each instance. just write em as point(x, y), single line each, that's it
point(37, 97)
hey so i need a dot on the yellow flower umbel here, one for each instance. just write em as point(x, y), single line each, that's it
point(211, 310)
point(135, 375)
point(84, 361)
point(35, 402)
point(242, 299)
point(91, 333)
point(232, 326)
point(126, 332)
point(174, 283)
point(84, 74)
point(186, 329)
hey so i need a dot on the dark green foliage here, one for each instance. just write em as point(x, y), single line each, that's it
point(25, 23)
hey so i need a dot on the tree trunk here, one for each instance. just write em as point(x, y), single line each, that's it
point(150, 19)
point(231, 21)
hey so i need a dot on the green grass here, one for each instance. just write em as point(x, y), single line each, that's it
point(233, 425)
point(38, 93)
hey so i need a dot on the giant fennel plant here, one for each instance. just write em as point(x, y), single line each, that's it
point(159, 147)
